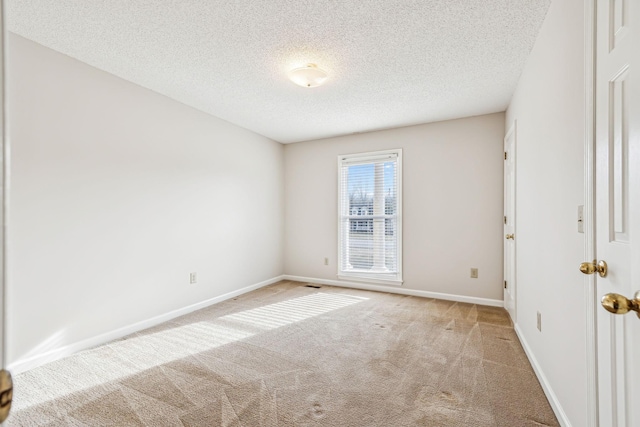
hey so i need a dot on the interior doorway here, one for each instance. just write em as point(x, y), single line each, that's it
point(510, 221)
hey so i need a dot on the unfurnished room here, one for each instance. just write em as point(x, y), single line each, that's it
point(384, 213)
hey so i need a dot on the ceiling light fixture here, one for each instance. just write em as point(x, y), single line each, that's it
point(308, 76)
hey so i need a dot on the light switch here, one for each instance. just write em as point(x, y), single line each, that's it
point(581, 219)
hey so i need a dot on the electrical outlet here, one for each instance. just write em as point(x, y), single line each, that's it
point(326, 261)
point(193, 278)
point(474, 273)
point(539, 322)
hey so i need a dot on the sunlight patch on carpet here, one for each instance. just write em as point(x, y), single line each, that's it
point(131, 356)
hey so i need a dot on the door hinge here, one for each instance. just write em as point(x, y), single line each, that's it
point(505, 284)
point(505, 155)
point(505, 219)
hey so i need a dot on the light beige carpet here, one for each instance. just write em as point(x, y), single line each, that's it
point(290, 355)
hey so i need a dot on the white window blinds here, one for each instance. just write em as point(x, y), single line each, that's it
point(370, 216)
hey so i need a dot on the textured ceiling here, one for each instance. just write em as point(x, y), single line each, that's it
point(391, 62)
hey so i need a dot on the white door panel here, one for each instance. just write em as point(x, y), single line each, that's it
point(617, 207)
point(509, 222)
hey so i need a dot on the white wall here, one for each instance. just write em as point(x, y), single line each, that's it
point(452, 197)
point(117, 194)
point(549, 107)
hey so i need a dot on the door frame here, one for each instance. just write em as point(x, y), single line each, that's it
point(4, 184)
point(4, 189)
point(591, 296)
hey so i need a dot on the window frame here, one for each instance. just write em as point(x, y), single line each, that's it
point(394, 279)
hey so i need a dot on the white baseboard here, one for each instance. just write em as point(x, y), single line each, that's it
point(23, 365)
point(34, 361)
point(546, 387)
point(397, 290)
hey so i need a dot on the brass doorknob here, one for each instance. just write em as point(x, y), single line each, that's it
point(592, 267)
point(617, 304)
point(510, 236)
point(6, 394)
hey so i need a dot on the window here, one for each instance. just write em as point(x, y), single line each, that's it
point(370, 220)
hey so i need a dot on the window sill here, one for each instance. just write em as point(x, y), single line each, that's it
point(372, 279)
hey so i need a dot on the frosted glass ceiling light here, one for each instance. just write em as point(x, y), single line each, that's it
point(308, 76)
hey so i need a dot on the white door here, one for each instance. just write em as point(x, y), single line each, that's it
point(509, 222)
point(617, 208)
